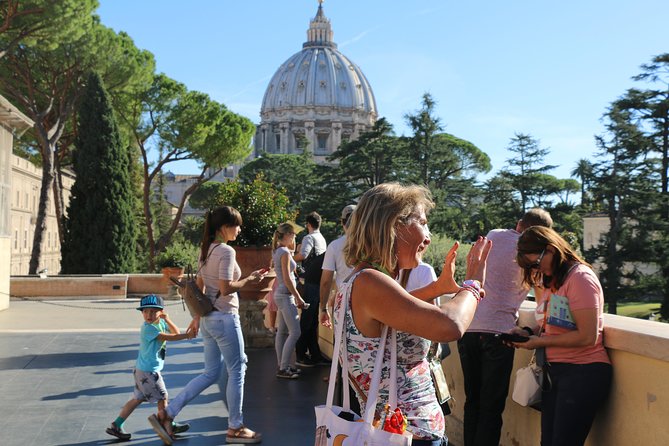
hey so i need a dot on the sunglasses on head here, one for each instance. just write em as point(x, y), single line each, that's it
point(537, 263)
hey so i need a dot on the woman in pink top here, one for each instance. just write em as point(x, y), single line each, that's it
point(578, 368)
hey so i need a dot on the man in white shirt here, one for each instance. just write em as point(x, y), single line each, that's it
point(307, 352)
point(334, 267)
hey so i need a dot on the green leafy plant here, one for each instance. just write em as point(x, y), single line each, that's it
point(179, 254)
point(262, 206)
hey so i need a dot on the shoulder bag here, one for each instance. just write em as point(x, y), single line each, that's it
point(197, 302)
point(338, 425)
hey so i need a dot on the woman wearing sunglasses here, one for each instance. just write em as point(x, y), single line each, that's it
point(578, 365)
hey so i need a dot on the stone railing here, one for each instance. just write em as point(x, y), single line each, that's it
point(105, 286)
point(637, 408)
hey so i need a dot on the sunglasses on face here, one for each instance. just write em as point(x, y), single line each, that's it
point(537, 263)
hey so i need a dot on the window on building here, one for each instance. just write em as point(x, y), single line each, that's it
point(16, 239)
point(278, 142)
point(323, 142)
point(25, 238)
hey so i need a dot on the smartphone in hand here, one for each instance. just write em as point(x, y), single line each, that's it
point(512, 337)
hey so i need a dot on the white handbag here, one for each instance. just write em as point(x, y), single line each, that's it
point(331, 429)
point(527, 388)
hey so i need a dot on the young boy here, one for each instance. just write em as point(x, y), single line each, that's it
point(149, 384)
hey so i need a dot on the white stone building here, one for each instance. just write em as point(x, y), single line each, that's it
point(12, 122)
point(26, 184)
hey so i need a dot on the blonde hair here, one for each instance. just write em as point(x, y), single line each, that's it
point(371, 233)
point(281, 230)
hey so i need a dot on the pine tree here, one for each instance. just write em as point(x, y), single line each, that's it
point(100, 230)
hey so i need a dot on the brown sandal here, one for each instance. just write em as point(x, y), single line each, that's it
point(243, 435)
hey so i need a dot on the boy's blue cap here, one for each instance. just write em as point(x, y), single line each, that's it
point(151, 301)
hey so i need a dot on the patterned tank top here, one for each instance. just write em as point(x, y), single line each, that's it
point(416, 397)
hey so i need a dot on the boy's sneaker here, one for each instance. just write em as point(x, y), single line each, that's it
point(305, 363)
point(118, 432)
point(179, 428)
point(287, 374)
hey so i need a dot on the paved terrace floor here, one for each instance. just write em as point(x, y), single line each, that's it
point(66, 370)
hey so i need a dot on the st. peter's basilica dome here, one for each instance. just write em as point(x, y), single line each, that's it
point(316, 99)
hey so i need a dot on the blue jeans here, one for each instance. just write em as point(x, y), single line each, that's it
point(288, 330)
point(569, 407)
point(223, 344)
point(486, 366)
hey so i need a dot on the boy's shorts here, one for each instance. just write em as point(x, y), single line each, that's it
point(149, 386)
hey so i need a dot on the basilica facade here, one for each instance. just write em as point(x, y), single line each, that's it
point(317, 99)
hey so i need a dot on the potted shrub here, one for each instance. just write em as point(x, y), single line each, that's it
point(175, 258)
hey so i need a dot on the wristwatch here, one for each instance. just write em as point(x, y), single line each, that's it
point(469, 283)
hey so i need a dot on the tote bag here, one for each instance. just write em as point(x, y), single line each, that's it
point(331, 429)
point(527, 388)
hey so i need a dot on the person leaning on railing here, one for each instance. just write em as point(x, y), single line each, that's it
point(578, 370)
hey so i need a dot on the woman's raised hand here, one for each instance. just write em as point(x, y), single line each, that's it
point(476, 259)
point(446, 278)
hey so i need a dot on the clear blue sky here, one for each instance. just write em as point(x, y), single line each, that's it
point(495, 68)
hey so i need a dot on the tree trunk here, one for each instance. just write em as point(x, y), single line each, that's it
point(40, 225)
point(664, 310)
point(58, 200)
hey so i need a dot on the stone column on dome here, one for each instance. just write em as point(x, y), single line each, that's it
point(309, 134)
point(285, 127)
point(336, 136)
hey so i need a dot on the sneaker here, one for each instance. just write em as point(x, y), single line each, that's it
point(305, 363)
point(179, 428)
point(118, 432)
point(295, 370)
point(288, 374)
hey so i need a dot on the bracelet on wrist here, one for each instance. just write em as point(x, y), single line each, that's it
point(474, 287)
point(324, 310)
point(474, 292)
point(529, 331)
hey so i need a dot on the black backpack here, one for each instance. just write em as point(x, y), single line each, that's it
point(313, 267)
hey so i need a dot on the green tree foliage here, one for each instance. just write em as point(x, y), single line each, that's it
point(100, 236)
point(45, 84)
point(43, 22)
point(181, 125)
point(526, 170)
point(46, 81)
point(619, 181)
point(374, 158)
point(649, 109)
point(583, 171)
point(295, 174)
point(435, 157)
point(262, 206)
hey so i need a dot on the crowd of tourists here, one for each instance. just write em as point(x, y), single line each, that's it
point(373, 289)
